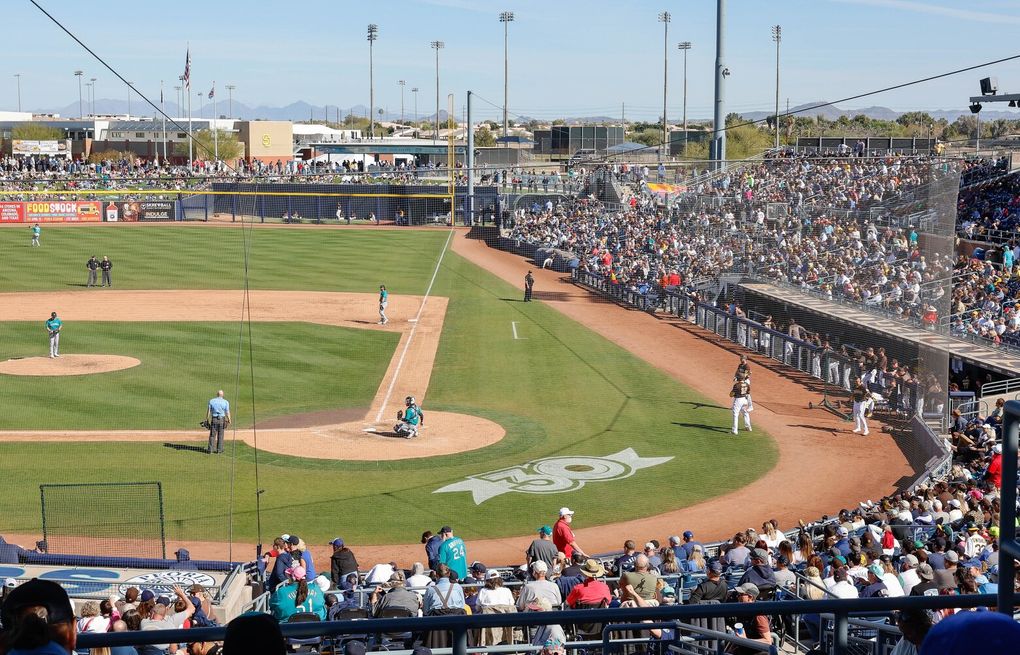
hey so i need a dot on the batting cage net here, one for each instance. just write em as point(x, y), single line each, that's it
point(104, 518)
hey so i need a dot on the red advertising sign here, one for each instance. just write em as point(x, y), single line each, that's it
point(12, 212)
point(61, 211)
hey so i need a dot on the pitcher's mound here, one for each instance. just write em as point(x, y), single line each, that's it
point(67, 365)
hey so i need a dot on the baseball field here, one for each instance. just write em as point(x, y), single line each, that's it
point(526, 409)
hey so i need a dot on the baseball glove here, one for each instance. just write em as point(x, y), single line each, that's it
point(400, 415)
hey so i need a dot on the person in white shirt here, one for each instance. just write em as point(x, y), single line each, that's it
point(494, 593)
point(417, 581)
point(841, 587)
point(380, 573)
point(908, 574)
point(955, 513)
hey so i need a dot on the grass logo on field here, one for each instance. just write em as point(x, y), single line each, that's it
point(553, 475)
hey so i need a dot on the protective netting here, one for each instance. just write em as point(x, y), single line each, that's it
point(112, 518)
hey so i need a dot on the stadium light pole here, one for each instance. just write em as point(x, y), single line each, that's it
point(177, 89)
point(437, 46)
point(230, 99)
point(506, 18)
point(93, 94)
point(402, 84)
point(78, 74)
point(664, 18)
point(777, 36)
point(88, 96)
point(17, 76)
point(721, 73)
point(685, 46)
point(129, 98)
point(201, 105)
point(373, 34)
point(414, 92)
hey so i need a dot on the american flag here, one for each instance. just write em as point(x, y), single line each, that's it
point(212, 91)
point(187, 71)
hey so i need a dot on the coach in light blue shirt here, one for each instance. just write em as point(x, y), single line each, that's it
point(218, 417)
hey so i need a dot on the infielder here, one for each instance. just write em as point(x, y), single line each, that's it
point(741, 395)
point(409, 419)
point(862, 401)
point(53, 326)
point(384, 301)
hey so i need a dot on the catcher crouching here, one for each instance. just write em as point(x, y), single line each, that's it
point(409, 419)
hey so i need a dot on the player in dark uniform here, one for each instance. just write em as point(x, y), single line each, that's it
point(93, 265)
point(529, 284)
point(106, 265)
point(741, 395)
point(743, 374)
point(861, 397)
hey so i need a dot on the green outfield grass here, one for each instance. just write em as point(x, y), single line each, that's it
point(559, 390)
point(299, 367)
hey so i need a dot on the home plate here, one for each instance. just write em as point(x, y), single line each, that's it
point(412, 320)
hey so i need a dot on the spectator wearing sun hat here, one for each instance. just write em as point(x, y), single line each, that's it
point(542, 549)
point(341, 562)
point(591, 592)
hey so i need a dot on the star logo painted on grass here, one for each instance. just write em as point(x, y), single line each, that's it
point(552, 475)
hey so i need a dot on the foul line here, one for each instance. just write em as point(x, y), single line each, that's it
point(513, 326)
point(414, 326)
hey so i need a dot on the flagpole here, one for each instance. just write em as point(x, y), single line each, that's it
point(216, 133)
point(162, 110)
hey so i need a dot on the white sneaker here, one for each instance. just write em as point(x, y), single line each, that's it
point(856, 430)
point(866, 433)
point(734, 432)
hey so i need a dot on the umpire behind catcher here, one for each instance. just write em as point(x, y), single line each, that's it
point(217, 417)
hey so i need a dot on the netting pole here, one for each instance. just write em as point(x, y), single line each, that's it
point(162, 521)
point(233, 208)
point(42, 501)
point(378, 208)
point(318, 209)
point(290, 211)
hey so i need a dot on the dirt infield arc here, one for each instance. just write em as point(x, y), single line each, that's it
point(409, 371)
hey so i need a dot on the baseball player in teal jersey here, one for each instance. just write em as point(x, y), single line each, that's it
point(384, 300)
point(452, 552)
point(410, 419)
point(53, 326)
point(36, 231)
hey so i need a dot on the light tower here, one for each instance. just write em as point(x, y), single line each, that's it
point(506, 18)
point(437, 46)
point(373, 34)
point(664, 18)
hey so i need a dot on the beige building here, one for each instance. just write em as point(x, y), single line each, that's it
point(267, 141)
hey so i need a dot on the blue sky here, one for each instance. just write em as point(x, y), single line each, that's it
point(574, 58)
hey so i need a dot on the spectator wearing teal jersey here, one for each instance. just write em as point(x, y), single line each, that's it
point(452, 552)
point(297, 596)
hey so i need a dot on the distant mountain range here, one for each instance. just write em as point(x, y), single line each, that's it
point(296, 111)
point(303, 111)
point(832, 112)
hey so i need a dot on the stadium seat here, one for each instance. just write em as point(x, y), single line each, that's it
point(304, 645)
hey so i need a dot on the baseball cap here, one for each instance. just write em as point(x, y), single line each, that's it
point(297, 572)
point(478, 567)
point(877, 570)
point(970, 633)
point(952, 556)
point(782, 560)
point(649, 545)
point(675, 540)
point(10, 583)
point(293, 540)
point(688, 534)
point(925, 572)
point(163, 600)
point(954, 503)
point(748, 588)
point(44, 593)
point(911, 560)
point(285, 536)
point(355, 648)
point(843, 532)
point(337, 543)
point(147, 595)
point(545, 529)
point(759, 553)
point(715, 566)
point(566, 511)
point(668, 591)
point(492, 574)
point(445, 529)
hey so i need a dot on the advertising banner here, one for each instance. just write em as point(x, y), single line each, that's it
point(12, 212)
point(50, 148)
point(62, 211)
point(156, 210)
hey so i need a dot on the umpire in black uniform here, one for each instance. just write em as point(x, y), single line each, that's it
point(107, 266)
point(93, 265)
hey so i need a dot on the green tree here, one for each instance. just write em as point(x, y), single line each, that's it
point(559, 121)
point(648, 136)
point(205, 145)
point(484, 138)
point(37, 132)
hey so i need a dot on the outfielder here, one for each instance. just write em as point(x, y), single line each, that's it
point(409, 419)
point(384, 301)
point(862, 401)
point(36, 231)
point(741, 395)
point(53, 326)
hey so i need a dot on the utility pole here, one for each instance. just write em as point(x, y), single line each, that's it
point(685, 46)
point(664, 18)
point(721, 73)
point(129, 98)
point(78, 74)
point(230, 99)
point(777, 36)
point(373, 34)
point(506, 18)
point(17, 76)
point(93, 93)
point(437, 46)
point(402, 83)
point(414, 91)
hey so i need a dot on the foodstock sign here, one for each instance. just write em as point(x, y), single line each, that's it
point(61, 211)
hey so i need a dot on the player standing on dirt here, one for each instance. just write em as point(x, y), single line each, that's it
point(53, 326)
point(384, 301)
point(860, 396)
point(741, 395)
point(743, 372)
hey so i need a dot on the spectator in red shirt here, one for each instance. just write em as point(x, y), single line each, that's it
point(591, 592)
point(563, 536)
point(995, 466)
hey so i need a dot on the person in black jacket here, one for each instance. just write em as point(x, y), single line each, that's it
point(342, 561)
point(712, 588)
